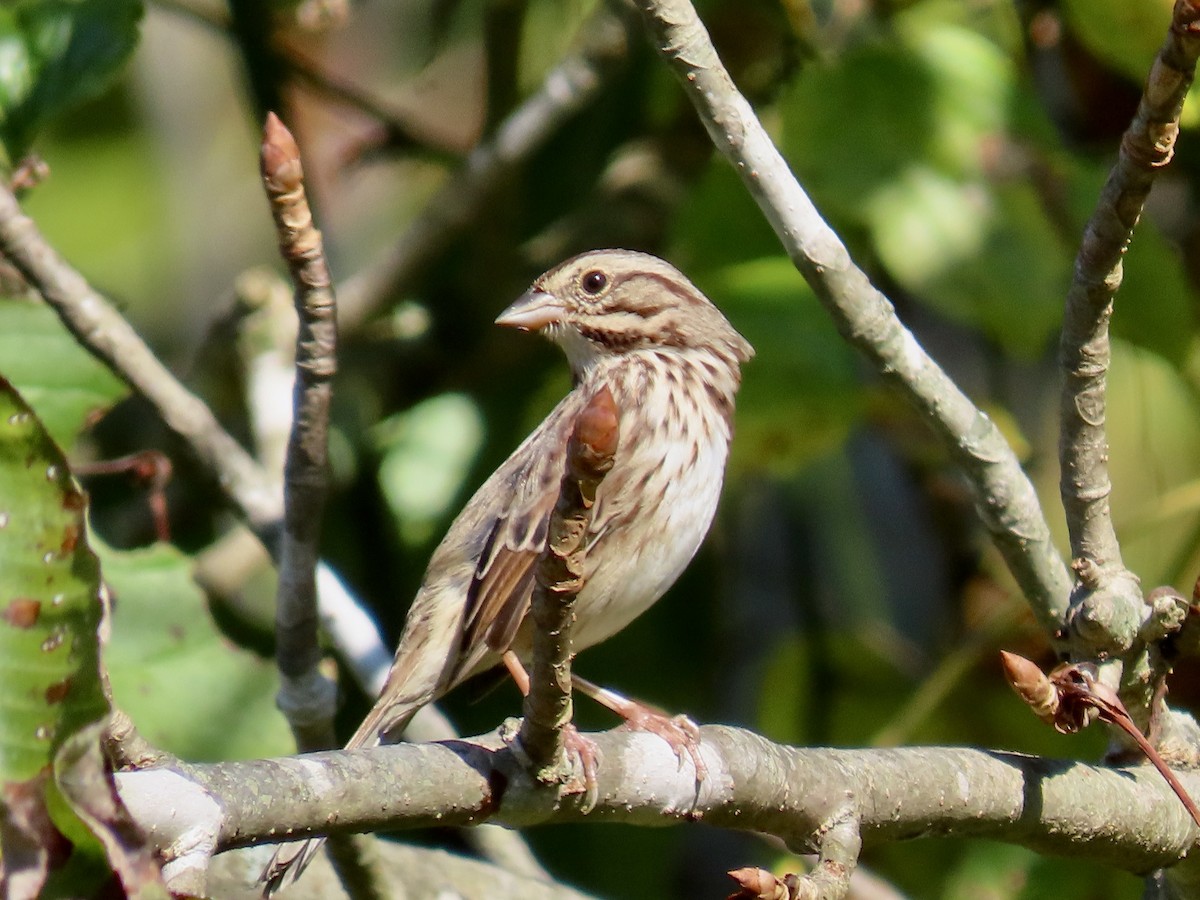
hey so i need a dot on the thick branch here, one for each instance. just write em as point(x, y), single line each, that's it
point(1051, 806)
point(1004, 496)
point(1084, 349)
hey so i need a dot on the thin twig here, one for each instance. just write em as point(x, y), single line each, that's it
point(1004, 496)
point(306, 697)
point(559, 578)
point(1146, 148)
point(567, 89)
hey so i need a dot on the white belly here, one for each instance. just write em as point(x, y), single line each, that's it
point(671, 514)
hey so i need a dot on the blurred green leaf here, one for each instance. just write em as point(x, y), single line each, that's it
point(698, 243)
point(800, 394)
point(186, 687)
point(1155, 305)
point(64, 384)
point(1123, 34)
point(1153, 432)
point(53, 55)
point(427, 453)
point(987, 256)
point(931, 104)
point(931, 95)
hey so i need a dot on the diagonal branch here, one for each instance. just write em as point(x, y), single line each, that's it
point(1084, 350)
point(104, 332)
point(1004, 496)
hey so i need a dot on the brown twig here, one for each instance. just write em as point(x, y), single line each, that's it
point(1146, 148)
point(306, 697)
point(149, 467)
point(559, 578)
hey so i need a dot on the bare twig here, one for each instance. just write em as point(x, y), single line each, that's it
point(570, 86)
point(151, 468)
point(1084, 349)
point(1004, 496)
point(267, 345)
point(306, 697)
point(559, 577)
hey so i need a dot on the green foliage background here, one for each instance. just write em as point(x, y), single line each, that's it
point(847, 596)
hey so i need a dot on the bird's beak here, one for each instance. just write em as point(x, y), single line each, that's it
point(532, 311)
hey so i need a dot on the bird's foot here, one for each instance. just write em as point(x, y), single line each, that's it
point(680, 732)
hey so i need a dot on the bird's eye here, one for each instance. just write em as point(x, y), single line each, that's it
point(594, 281)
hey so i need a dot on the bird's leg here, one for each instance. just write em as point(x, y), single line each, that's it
point(517, 670)
point(680, 732)
point(574, 742)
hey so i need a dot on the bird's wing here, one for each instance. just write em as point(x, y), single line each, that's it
point(529, 482)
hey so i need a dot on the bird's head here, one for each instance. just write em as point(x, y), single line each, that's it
point(610, 302)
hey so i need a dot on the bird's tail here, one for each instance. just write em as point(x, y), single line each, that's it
point(292, 858)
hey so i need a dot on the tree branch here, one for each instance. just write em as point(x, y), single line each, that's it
point(307, 698)
point(1050, 806)
point(1112, 610)
point(1004, 496)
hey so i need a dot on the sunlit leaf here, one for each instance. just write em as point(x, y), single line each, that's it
point(63, 383)
point(186, 687)
point(427, 453)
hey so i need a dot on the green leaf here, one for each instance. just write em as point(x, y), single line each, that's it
point(49, 598)
point(800, 394)
point(1125, 35)
point(427, 453)
point(55, 54)
point(63, 383)
point(186, 687)
point(986, 255)
point(1154, 307)
point(51, 700)
point(933, 98)
point(1153, 431)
